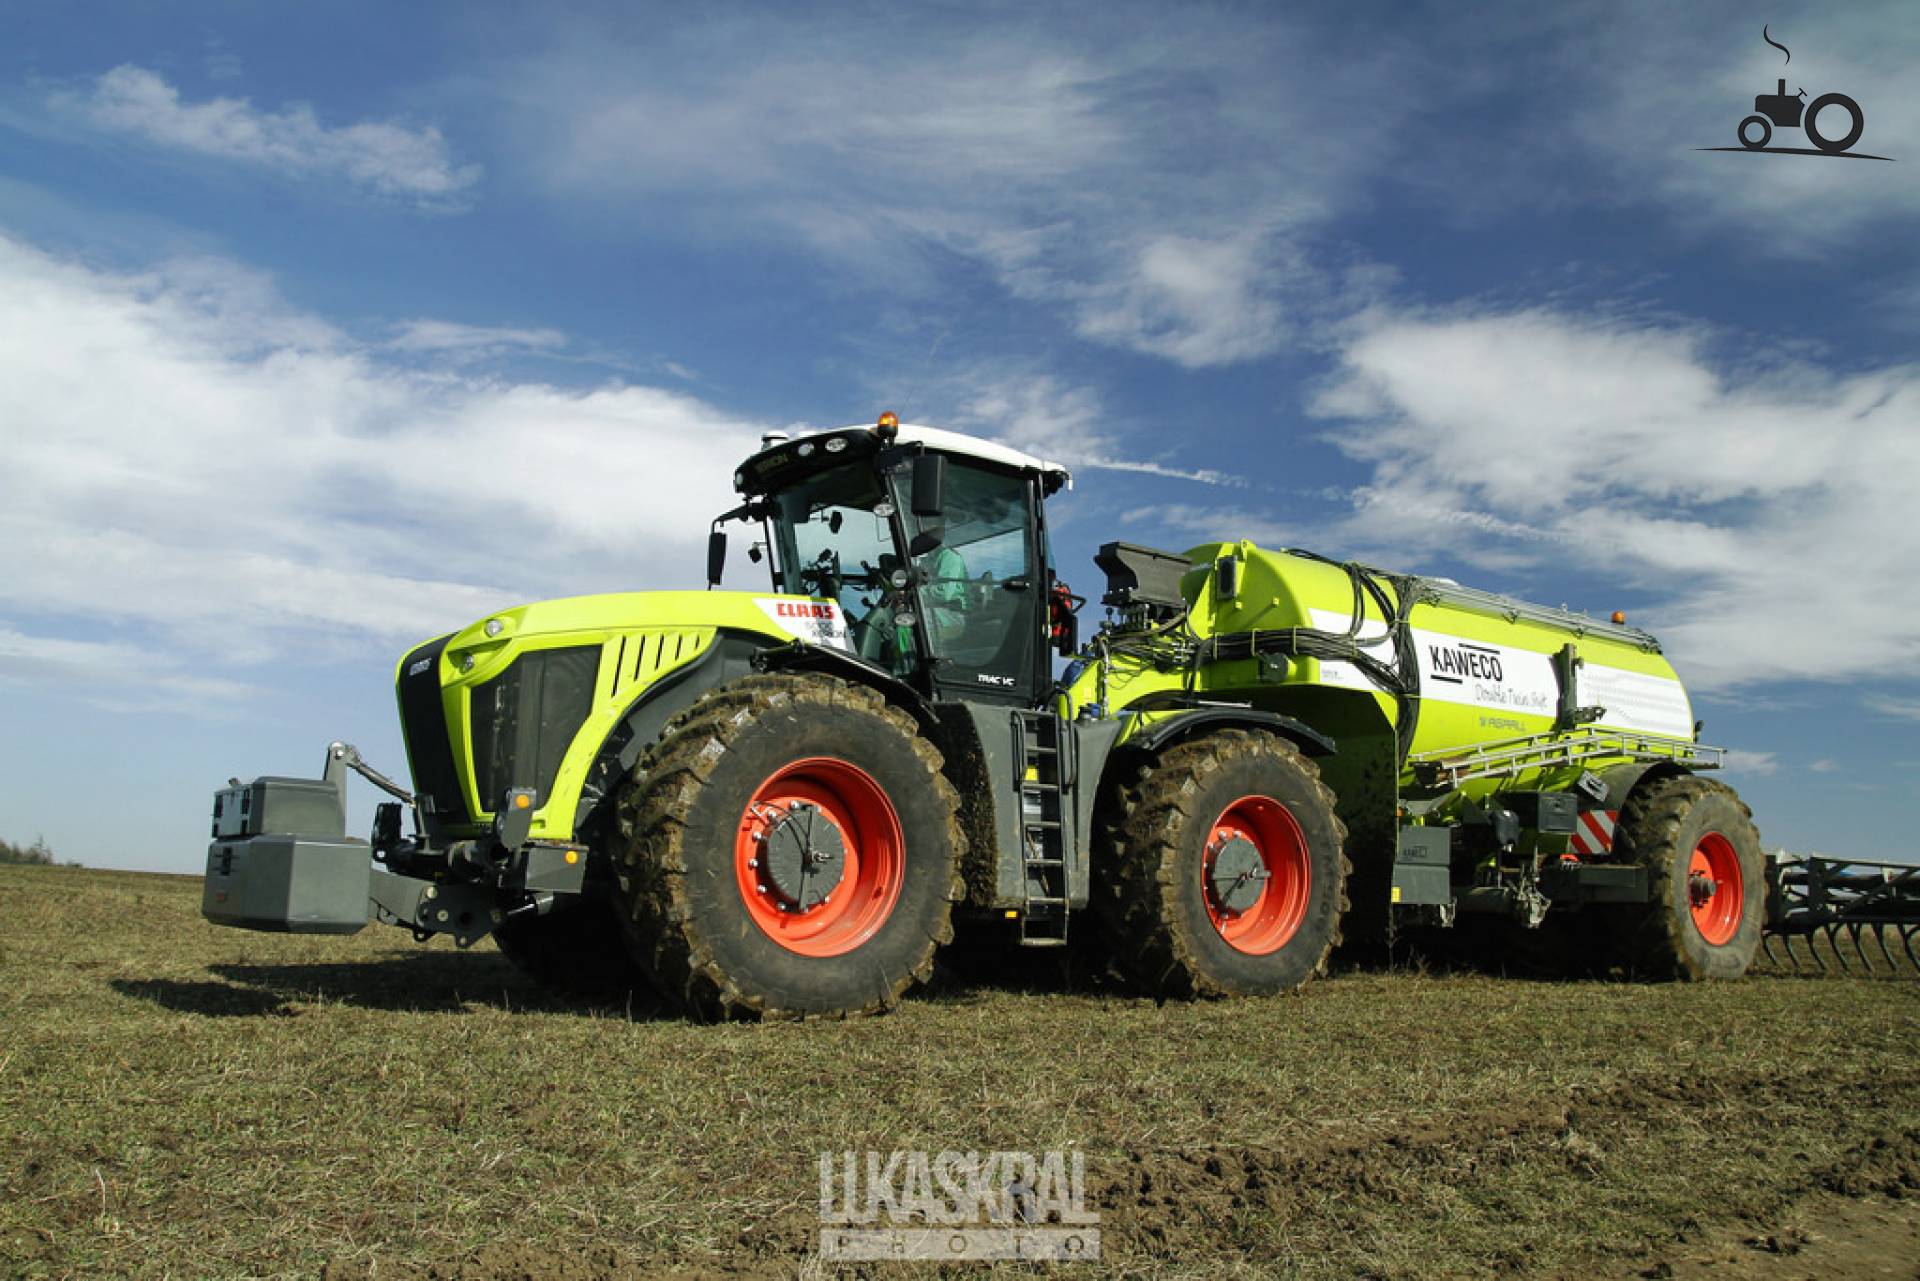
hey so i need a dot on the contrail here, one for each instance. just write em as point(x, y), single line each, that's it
point(1776, 44)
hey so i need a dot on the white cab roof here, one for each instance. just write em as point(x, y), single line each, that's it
point(953, 442)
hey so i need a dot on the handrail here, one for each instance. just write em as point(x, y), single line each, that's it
point(1450, 767)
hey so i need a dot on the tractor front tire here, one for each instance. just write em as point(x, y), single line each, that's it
point(790, 848)
point(1222, 869)
point(577, 950)
point(1706, 880)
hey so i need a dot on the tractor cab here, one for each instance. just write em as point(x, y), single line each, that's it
point(931, 544)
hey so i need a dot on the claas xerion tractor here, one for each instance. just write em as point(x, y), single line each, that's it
point(781, 801)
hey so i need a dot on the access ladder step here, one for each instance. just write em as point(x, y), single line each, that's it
point(1042, 751)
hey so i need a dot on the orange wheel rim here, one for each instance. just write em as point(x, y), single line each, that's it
point(819, 857)
point(1256, 876)
point(1715, 892)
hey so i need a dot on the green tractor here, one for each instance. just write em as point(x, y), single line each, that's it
point(779, 802)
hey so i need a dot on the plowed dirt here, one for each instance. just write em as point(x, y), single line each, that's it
point(180, 1099)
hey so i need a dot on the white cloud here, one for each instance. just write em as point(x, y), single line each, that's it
point(451, 339)
point(1196, 302)
point(1049, 417)
point(1154, 184)
point(1752, 763)
point(214, 474)
point(220, 62)
point(114, 675)
point(1906, 709)
point(1766, 510)
point(1824, 766)
point(385, 158)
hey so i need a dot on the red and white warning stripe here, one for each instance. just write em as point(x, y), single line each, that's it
point(1594, 832)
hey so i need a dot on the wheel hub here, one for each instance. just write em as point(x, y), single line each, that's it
point(802, 856)
point(1239, 874)
point(1716, 896)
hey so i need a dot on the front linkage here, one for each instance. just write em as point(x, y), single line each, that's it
point(281, 860)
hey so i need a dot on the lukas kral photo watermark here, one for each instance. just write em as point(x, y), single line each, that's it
point(971, 1206)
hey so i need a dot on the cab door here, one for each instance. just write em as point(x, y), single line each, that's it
point(982, 589)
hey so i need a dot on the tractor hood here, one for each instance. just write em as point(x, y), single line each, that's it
point(526, 696)
point(473, 652)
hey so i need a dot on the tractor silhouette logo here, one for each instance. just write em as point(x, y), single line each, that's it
point(1783, 110)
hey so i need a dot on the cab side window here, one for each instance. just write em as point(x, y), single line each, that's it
point(976, 586)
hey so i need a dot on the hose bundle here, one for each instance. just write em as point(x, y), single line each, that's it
point(1174, 646)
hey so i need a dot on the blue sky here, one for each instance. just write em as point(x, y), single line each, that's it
point(326, 329)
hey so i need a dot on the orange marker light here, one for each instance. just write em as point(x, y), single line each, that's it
point(1619, 616)
point(889, 419)
point(521, 801)
point(573, 856)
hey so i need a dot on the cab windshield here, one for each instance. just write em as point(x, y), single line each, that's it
point(835, 540)
point(972, 579)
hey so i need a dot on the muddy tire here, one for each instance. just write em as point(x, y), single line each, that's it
point(1222, 869)
point(578, 951)
point(789, 847)
point(1706, 877)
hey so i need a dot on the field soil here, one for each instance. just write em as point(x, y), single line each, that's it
point(179, 1099)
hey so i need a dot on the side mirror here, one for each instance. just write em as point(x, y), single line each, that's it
point(1066, 636)
point(716, 556)
point(927, 539)
point(930, 486)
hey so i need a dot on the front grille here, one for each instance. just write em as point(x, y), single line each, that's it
point(423, 723)
point(525, 718)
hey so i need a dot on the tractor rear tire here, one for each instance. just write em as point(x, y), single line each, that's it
point(760, 785)
point(1222, 869)
point(1706, 879)
point(577, 950)
point(1856, 122)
